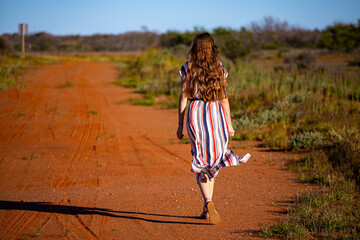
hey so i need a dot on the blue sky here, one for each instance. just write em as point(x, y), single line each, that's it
point(88, 17)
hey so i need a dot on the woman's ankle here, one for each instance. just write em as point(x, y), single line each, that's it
point(206, 200)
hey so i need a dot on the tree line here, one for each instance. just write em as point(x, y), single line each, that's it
point(269, 33)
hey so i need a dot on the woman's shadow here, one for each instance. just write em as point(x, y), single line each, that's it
point(75, 210)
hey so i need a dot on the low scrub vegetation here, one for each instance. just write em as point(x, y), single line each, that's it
point(293, 108)
point(153, 73)
point(12, 65)
point(268, 33)
point(295, 101)
point(333, 211)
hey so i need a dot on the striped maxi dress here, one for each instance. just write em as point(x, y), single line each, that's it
point(207, 127)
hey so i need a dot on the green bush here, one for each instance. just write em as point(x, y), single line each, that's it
point(244, 123)
point(341, 37)
point(269, 115)
point(234, 44)
point(306, 140)
point(270, 46)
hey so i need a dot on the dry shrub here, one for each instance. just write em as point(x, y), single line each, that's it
point(343, 150)
point(303, 61)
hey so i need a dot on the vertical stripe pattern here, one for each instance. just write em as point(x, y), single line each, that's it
point(208, 128)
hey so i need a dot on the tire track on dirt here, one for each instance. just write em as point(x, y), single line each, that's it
point(18, 221)
point(153, 143)
point(161, 152)
point(84, 134)
point(20, 111)
point(88, 133)
point(10, 115)
point(80, 223)
point(33, 94)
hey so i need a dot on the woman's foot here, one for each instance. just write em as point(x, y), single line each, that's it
point(213, 214)
point(204, 215)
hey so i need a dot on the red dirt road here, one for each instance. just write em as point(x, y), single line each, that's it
point(79, 162)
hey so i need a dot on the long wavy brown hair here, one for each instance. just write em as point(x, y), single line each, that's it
point(205, 73)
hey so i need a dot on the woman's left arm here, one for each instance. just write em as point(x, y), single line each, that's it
point(225, 104)
point(181, 111)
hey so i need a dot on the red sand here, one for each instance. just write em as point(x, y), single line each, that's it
point(82, 163)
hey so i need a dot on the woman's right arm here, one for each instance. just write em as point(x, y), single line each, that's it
point(181, 111)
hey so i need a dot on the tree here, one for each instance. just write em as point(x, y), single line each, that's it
point(4, 46)
point(341, 37)
point(270, 31)
point(233, 44)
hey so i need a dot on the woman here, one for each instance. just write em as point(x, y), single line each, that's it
point(208, 123)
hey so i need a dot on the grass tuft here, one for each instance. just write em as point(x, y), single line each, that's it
point(39, 232)
point(93, 112)
point(185, 140)
point(144, 102)
point(67, 84)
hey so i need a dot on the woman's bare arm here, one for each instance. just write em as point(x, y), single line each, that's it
point(225, 104)
point(181, 111)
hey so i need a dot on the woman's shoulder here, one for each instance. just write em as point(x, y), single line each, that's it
point(224, 69)
point(185, 65)
point(183, 69)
